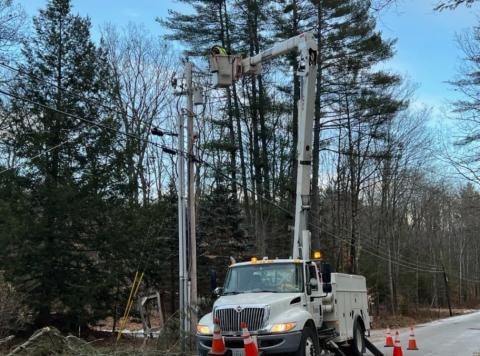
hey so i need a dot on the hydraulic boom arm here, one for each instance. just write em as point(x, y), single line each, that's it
point(226, 68)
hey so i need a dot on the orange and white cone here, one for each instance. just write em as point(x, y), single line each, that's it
point(218, 345)
point(249, 344)
point(397, 348)
point(388, 339)
point(412, 343)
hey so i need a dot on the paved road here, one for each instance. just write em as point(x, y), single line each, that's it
point(456, 336)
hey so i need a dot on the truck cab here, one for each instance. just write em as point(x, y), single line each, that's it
point(289, 305)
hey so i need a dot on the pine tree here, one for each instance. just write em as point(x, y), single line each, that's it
point(216, 23)
point(358, 99)
point(55, 258)
point(453, 4)
point(221, 232)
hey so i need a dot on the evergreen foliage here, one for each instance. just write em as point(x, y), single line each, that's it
point(83, 209)
point(62, 190)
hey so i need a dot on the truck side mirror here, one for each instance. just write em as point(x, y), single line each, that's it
point(327, 287)
point(218, 292)
point(326, 273)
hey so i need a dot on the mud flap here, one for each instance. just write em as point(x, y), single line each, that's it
point(371, 347)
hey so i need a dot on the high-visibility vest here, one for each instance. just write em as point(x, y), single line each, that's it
point(219, 51)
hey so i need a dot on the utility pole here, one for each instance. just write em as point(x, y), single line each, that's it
point(182, 234)
point(187, 252)
point(445, 279)
point(191, 199)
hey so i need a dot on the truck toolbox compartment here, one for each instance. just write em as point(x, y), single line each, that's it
point(349, 293)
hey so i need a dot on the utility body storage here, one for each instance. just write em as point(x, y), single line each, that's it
point(347, 301)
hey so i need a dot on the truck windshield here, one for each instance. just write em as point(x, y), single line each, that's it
point(271, 277)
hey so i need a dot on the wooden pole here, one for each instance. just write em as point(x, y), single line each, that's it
point(447, 293)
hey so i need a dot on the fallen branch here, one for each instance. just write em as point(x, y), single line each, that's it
point(7, 339)
point(30, 340)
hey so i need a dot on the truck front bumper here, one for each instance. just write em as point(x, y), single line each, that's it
point(269, 344)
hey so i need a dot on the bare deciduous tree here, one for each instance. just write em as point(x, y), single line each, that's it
point(142, 66)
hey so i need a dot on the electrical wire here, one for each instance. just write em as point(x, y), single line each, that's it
point(398, 262)
point(79, 96)
point(36, 156)
point(374, 244)
point(433, 269)
point(381, 243)
point(402, 263)
point(91, 122)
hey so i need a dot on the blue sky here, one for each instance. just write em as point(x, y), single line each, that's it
point(426, 50)
point(117, 12)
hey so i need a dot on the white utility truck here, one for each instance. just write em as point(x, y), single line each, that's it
point(291, 306)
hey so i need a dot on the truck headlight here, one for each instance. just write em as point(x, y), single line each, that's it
point(283, 327)
point(203, 329)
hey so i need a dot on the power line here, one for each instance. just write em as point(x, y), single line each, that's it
point(91, 122)
point(80, 96)
point(36, 156)
point(400, 262)
point(273, 203)
point(454, 276)
point(167, 149)
point(380, 243)
point(374, 244)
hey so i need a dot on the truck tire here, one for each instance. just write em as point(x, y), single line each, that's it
point(358, 341)
point(309, 346)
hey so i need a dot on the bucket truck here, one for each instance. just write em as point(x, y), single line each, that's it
point(296, 305)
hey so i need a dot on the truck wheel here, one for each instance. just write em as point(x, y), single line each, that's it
point(309, 346)
point(358, 341)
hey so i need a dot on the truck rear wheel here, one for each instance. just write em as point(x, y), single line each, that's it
point(358, 341)
point(309, 346)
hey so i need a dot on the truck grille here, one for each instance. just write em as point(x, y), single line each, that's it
point(230, 318)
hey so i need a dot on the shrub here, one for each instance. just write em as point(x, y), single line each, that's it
point(14, 315)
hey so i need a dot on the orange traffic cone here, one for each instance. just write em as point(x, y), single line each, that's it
point(250, 347)
point(388, 339)
point(397, 348)
point(412, 343)
point(218, 345)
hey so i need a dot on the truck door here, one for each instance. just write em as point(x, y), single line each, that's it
point(314, 300)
